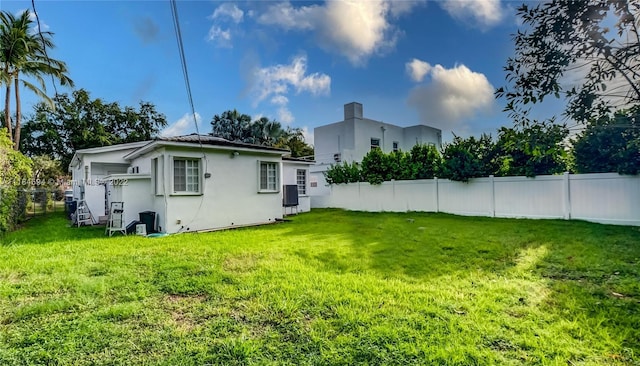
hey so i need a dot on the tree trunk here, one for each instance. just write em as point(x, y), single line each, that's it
point(7, 104)
point(16, 138)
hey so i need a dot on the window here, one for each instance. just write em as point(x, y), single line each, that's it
point(157, 174)
point(395, 146)
point(301, 181)
point(268, 177)
point(375, 143)
point(186, 175)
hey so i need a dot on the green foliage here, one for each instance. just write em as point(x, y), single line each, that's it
point(328, 287)
point(79, 122)
point(534, 150)
point(584, 51)
point(375, 167)
point(610, 144)
point(425, 161)
point(343, 173)
point(468, 158)
point(15, 169)
point(235, 126)
point(23, 52)
point(293, 139)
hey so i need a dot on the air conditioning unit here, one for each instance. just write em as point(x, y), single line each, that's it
point(337, 157)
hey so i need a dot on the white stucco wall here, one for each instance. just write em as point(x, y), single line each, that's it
point(351, 138)
point(132, 189)
point(289, 176)
point(229, 198)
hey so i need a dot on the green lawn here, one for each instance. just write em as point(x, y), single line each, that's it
point(328, 287)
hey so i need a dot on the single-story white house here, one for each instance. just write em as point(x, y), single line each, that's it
point(190, 183)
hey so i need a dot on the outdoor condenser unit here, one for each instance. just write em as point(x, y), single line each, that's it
point(290, 198)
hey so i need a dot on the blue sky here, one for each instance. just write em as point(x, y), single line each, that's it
point(407, 62)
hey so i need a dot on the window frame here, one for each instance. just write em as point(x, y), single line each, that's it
point(395, 147)
point(302, 192)
point(376, 145)
point(276, 172)
point(186, 191)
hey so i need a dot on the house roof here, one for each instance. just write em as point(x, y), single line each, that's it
point(207, 141)
point(290, 159)
point(102, 149)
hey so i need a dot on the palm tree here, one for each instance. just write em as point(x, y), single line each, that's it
point(266, 132)
point(23, 52)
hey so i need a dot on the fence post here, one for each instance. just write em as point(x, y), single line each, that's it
point(437, 194)
point(566, 200)
point(492, 195)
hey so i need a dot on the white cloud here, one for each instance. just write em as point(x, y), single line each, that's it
point(284, 115)
point(224, 13)
point(417, 69)
point(219, 36)
point(273, 83)
point(354, 29)
point(182, 126)
point(485, 12)
point(228, 10)
point(276, 80)
point(286, 16)
point(308, 135)
point(452, 96)
point(44, 27)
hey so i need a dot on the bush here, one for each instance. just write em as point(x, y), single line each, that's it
point(343, 173)
point(14, 168)
point(421, 163)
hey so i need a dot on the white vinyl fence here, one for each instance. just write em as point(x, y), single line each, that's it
point(605, 198)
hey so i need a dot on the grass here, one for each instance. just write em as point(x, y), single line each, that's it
point(329, 287)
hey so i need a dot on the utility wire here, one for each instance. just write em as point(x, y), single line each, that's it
point(183, 62)
point(44, 46)
point(185, 74)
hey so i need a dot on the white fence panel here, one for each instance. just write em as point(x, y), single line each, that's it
point(606, 198)
point(416, 195)
point(471, 199)
point(540, 197)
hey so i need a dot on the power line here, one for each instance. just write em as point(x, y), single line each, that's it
point(44, 45)
point(183, 62)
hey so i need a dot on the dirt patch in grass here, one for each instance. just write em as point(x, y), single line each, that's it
point(182, 308)
point(241, 263)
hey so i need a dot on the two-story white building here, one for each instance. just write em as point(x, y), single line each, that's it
point(351, 139)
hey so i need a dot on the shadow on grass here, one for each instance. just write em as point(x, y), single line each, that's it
point(54, 227)
point(426, 244)
point(591, 272)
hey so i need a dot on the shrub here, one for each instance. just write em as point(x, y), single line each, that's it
point(14, 168)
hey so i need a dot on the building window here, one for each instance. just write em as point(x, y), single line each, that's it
point(268, 176)
point(301, 181)
point(395, 146)
point(375, 143)
point(186, 175)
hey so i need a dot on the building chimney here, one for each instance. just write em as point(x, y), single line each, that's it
point(352, 110)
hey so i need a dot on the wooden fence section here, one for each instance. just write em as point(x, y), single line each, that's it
point(607, 198)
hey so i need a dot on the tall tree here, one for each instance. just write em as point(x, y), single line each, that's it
point(79, 122)
point(24, 52)
point(233, 126)
point(267, 132)
point(610, 144)
point(587, 51)
point(293, 139)
point(533, 150)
